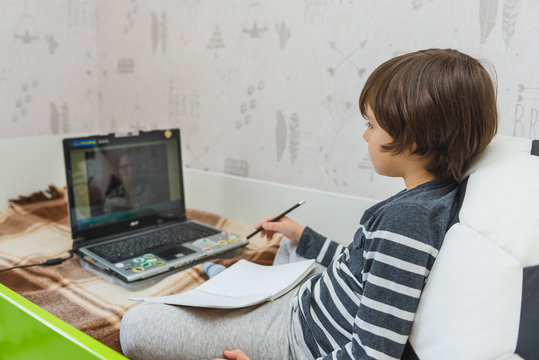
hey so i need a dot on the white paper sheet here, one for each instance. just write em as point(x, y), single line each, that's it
point(243, 284)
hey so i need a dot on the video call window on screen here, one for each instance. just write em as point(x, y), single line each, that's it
point(120, 179)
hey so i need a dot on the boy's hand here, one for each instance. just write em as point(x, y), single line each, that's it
point(285, 226)
point(237, 354)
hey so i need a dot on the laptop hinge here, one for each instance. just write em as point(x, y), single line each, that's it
point(77, 241)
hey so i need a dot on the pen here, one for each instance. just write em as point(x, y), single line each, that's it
point(279, 217)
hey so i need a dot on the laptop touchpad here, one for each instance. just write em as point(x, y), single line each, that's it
point(173, 252)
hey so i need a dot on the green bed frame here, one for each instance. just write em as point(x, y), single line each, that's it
point(30, 332)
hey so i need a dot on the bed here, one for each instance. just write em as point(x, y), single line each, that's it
point(35, 228)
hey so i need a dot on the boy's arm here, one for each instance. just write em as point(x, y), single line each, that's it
point(312, 245)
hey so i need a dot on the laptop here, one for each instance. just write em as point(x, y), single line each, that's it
point(127, 206)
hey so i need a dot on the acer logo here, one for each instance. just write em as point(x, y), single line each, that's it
point(133, 223)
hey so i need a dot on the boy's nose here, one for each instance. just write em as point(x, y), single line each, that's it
point(365, 135)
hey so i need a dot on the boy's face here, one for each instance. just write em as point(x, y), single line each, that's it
point(384, 162)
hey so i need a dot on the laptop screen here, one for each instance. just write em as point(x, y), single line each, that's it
point(120, 183)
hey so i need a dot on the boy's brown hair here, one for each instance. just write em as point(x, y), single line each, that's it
point(436, 103)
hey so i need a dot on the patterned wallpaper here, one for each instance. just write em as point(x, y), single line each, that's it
point(48, 73)
point(262, 89)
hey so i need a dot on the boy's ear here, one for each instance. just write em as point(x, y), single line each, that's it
point(412, 148)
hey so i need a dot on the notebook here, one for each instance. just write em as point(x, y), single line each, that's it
point(241, 285)
point(127, 206)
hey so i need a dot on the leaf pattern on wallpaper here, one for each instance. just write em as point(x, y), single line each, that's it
point(164, 32)
point(487, 17)
point(55, 119)
point(510, 16)
point(155, 32)
point(65, 119)
point(293, 146)
point(280, 134)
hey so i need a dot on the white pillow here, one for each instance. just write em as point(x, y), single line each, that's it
point(481, 300)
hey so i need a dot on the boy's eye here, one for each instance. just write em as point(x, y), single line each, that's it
point(369, 125)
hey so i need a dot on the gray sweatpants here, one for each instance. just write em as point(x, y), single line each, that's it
point(266, 331)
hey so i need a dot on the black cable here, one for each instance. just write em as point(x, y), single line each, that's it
point(50, 262)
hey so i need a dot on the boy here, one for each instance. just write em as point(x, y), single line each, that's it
point(429, 113)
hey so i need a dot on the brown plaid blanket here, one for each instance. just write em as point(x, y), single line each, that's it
point(36, 228)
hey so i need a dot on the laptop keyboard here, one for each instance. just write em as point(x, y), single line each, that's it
point(148, 242)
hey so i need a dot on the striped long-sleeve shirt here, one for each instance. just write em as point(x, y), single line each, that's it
point(363, 305)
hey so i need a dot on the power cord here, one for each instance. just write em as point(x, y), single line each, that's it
point(50, 262)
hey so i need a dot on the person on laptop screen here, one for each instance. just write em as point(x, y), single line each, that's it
point(126, 190)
